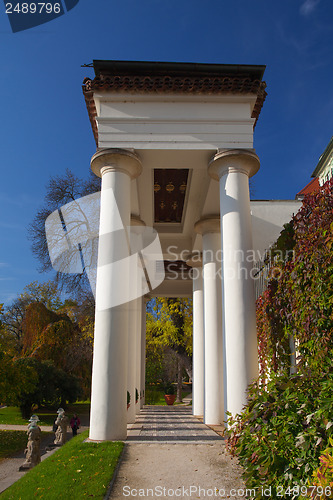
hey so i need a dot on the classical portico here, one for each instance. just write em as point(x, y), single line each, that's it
point(175, 147)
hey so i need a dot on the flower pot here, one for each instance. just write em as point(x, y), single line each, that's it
point(170, 398)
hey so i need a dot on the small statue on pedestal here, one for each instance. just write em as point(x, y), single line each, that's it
point(32, 452)
point(61, 432)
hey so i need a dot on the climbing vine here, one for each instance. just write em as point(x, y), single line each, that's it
point(288, 421)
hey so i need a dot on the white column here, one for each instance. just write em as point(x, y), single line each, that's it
point(211, 253)
point(143, 353)
point(233, 168)
point(131, 368)
point(109, 376)
point(138, 352)
point(198, 337)
point(134, 335)
point(137, 228)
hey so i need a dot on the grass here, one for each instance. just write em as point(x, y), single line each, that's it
point(12, 415)
point(77, 470)
point(155, 396)
point(13, 441)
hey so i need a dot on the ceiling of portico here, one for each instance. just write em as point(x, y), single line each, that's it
point(200, 198)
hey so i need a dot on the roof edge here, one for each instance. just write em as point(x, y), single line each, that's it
point(323, 158)
point(175, 68)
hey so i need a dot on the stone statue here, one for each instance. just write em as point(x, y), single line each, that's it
point(32, 452)
point(61, 432)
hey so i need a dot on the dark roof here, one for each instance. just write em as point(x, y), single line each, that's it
point(169, 77)
point(149, 68)
point(323, 158)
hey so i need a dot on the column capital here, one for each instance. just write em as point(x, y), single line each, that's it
point(116, 160)
point(208, 225)
point(233, 160)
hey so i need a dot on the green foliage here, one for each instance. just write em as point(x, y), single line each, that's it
point(288, 421)
point(76, 470)
point(12, 442)
point(45, 293)
point(168, 338)
point(52, 387)
point(169, 389)
point(38, 325)
point(323, 476)
point(300, 302)
point(16, 379)
point(282, 431)
point(153, 397)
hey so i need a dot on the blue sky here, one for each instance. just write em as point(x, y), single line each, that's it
point(44, 123)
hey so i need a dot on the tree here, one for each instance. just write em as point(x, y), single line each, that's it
point(52, 386)
point(14, 314)
point(169, 339)
point(31, 330)
point(52, 336)
point(60, 191)
point(16, 380)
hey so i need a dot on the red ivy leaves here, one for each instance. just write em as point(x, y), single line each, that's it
point(300, 302)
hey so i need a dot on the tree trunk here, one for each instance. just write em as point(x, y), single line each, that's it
point(180, 380)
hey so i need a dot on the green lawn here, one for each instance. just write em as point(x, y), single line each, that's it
point(77, 470)
point(12, 415)
point(13, 441)
point(155, 396)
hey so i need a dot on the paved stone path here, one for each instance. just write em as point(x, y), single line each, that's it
point(5, 427)
point(170, 424)
point(169, 453)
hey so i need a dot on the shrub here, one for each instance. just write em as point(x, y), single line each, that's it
point(152, 396)
point(283, 430)
point(169, 389)
point(52, 387)
point(287, 423)
point(323, 475)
